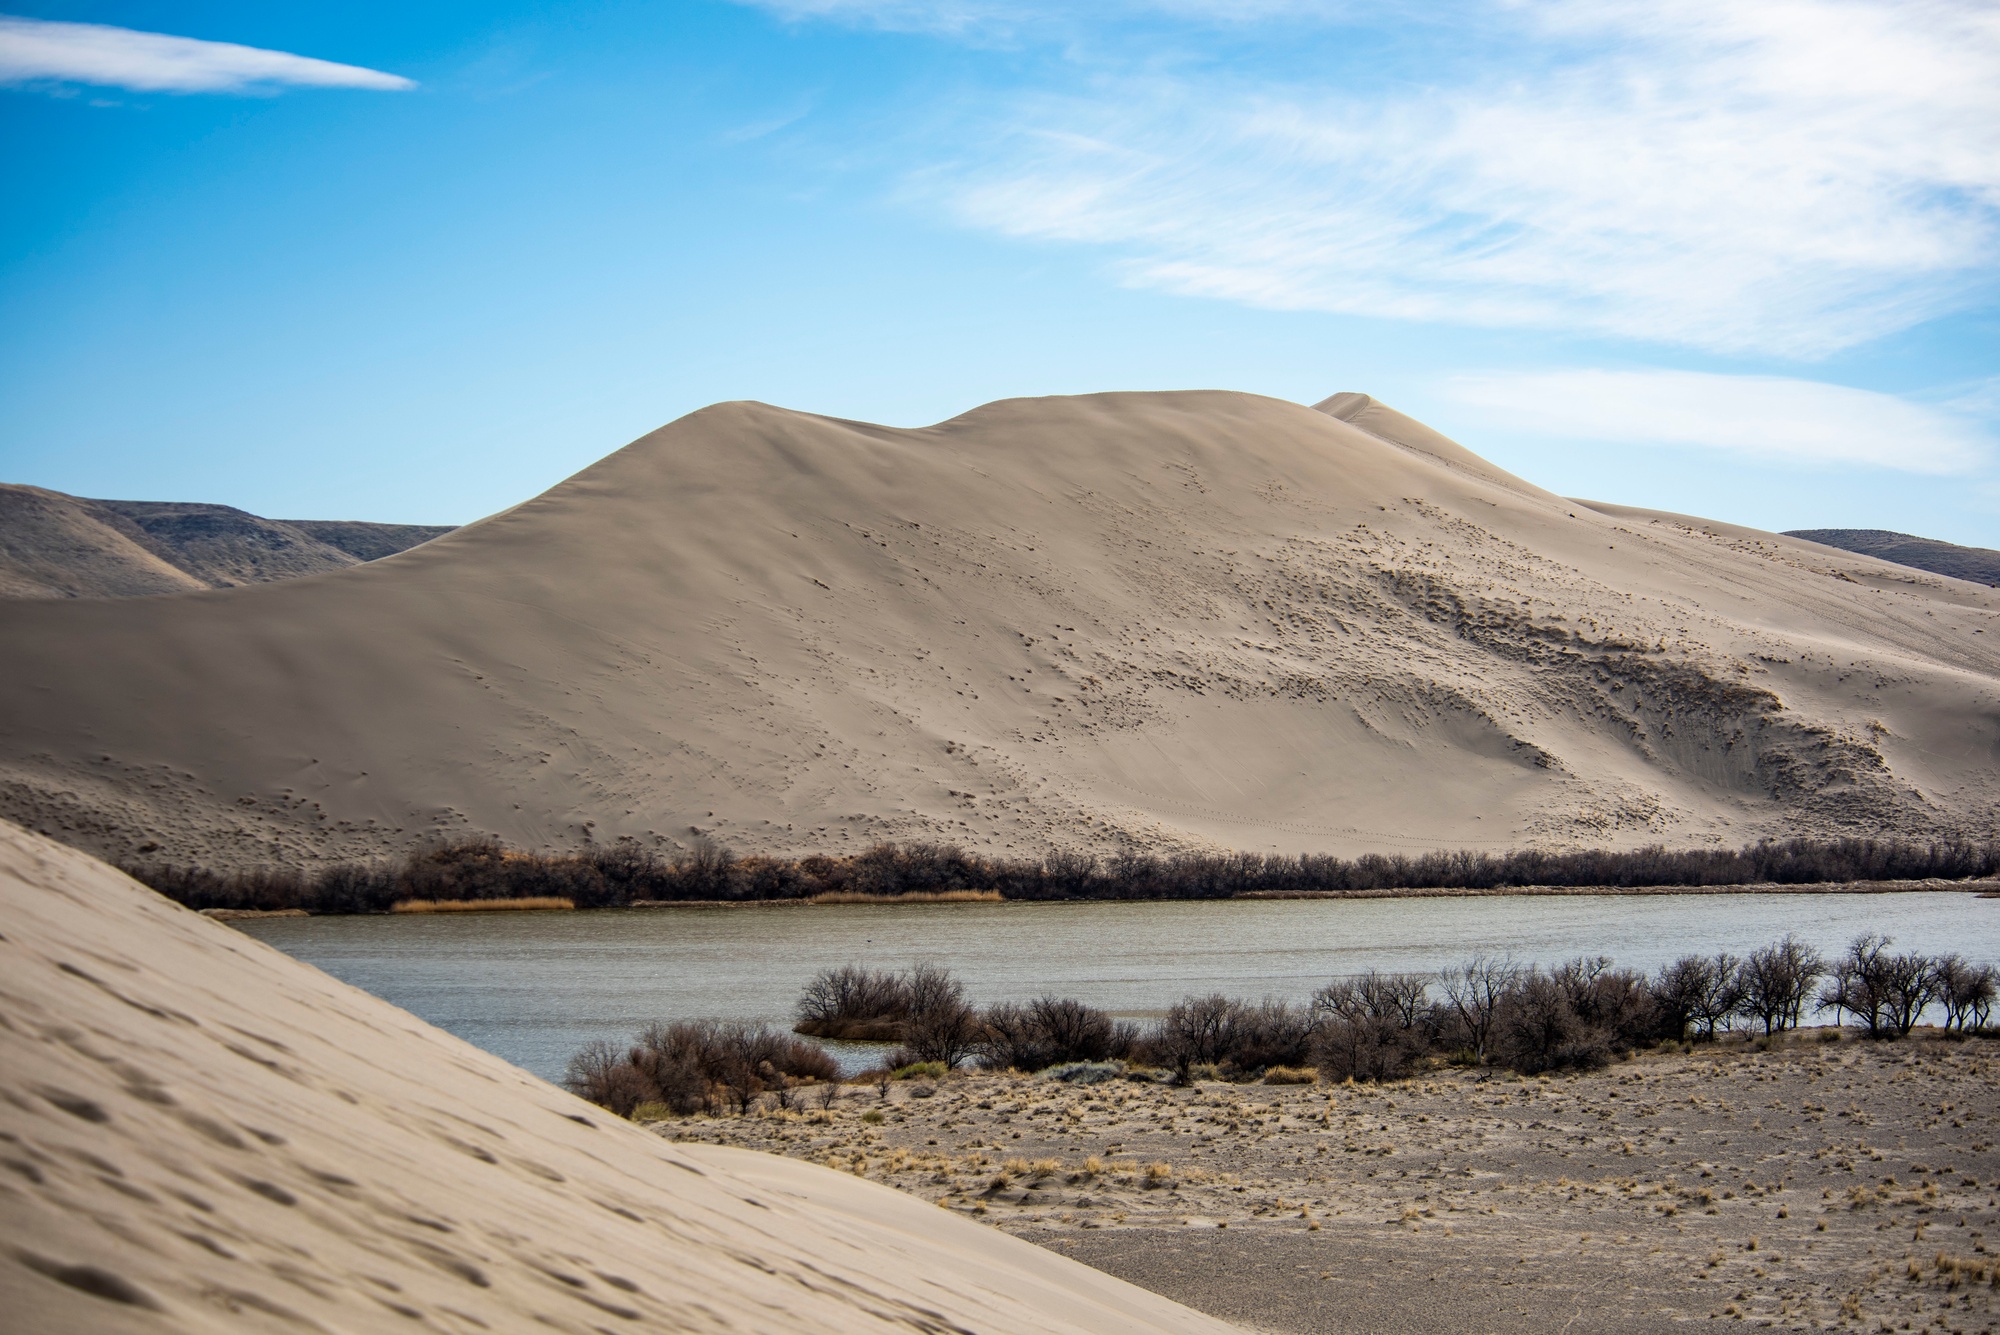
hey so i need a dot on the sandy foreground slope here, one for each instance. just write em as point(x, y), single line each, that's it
point(201, 1133)
point(1193, 619)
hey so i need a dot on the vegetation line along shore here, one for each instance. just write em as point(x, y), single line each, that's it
point(1375, 1027)
point(626, 875)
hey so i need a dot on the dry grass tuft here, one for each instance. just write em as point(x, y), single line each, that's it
point(1291, 1075)
point(912, 897)
point(527, 904)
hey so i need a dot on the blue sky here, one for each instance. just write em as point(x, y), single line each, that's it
point(417, 262)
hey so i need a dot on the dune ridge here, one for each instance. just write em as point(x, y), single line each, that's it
point(1186, 620)
point(206, 1135)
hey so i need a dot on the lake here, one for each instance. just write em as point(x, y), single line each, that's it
point(534, 987)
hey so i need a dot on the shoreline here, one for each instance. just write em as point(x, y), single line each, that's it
point(1978, 889)
point(1987, 888)
point(1983, 889)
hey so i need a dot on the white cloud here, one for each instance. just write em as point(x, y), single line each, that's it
point(1765, 417)
point(1784, 176)
point(34, 50)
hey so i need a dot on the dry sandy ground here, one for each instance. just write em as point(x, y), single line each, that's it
point(1795, 1187)
point(198, 1133)
point(1163, 620)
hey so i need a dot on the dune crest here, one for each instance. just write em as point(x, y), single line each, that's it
point(206, 1135)
point(1172, 620)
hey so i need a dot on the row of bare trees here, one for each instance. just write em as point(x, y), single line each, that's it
point(1581, 1013)
point(623, 872)
point(1379, 1026)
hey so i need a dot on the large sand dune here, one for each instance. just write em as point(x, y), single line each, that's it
point(1203, 619)
point(203, 1134)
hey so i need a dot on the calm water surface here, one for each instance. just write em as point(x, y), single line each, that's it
point(533, 987)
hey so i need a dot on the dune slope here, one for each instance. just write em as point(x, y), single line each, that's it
point(203, 1134)
point(1189, 619)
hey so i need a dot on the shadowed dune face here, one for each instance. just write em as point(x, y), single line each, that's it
point(205, 1135)
point(1195, 619)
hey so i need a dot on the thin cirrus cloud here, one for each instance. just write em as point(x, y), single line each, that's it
point(1766, 418)
point(1788, 178)
point(40, 51)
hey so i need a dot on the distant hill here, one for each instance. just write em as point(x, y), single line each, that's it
point(1981, 565)
point(58, 546)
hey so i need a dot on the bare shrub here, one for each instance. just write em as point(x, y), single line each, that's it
point(1269, 1033)
point(599, 1072)
point(1537, 1029)
point(853, 1002)
point(1190, 1034)
point(1364, 1047)
point(692, 1066)
point(1009, 1039)
point(1375, 1027)
point(1614, 1001)
point(1076, 1032)
point(1050, 1031)
point(623, 872)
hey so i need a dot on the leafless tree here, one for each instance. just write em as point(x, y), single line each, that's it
point(1966, 991)
point(1777, 981)
point(1191, 1033)
point(1912, 984)
point(1473, 990)
point(1856, 983)
point(942, 1026)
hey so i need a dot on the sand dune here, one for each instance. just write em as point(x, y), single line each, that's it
point(1194, 619)
point(206, 1135)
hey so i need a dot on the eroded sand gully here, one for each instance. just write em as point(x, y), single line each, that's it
point(1796, 1186)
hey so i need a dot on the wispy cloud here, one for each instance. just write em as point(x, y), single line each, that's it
point(1789, 177)
point(1763, 417)
point(35, 50)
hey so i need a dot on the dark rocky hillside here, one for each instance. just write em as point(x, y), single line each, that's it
point(1981, 565)
point(58, 546)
